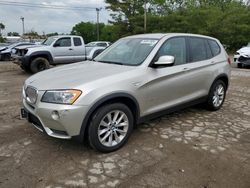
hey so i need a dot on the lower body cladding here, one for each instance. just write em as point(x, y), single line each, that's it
point(59, 121)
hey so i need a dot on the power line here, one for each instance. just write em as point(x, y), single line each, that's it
point(36, 5)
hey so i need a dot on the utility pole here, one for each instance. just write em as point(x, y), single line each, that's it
point(22, 18)
point(145, 16)
point(97, 23)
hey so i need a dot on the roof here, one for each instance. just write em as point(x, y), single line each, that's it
point(59, 36)
point(161, 35)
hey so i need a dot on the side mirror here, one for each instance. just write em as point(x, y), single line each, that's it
point(56, 45)
point(165, 60)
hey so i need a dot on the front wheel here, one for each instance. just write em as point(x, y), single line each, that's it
point(216, 95)
point(39, 64)
point(6, 57)
point(110, 127)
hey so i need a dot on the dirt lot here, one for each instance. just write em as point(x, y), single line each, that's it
point(191, 148)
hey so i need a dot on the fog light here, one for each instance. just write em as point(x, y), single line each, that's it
point(55, 115)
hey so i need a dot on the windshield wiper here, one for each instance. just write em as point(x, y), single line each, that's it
point(111, 62)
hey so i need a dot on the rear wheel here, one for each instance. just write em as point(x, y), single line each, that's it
point(39, 64)
point(110, 127)
point(216, 95)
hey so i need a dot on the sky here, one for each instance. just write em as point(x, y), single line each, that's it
point(50, 20)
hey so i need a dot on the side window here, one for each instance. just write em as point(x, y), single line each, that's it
point(77, 41)
point(175, 47)
point(214, 47)
point(198, 51)
point(208, 50)
point(63, 42)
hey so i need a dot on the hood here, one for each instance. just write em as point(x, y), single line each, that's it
point(27, 46)
point(2, 48)
point(75, 75)
point(245, 51)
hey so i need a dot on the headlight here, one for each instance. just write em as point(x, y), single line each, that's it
point(61, 96)
point(13, 51)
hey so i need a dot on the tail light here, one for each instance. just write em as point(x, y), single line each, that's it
point(229, 60)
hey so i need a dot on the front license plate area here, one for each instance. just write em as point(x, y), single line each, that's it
point(23, 114)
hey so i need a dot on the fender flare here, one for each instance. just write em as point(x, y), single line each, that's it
point(100, 102)
point(223, 75)
point(42, 53)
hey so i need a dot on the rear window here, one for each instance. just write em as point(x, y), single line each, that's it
point(77, 41)
point(215, 48)
point(102, 44)
point(198, 51)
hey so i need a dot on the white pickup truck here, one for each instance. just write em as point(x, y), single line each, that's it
point(53, 51)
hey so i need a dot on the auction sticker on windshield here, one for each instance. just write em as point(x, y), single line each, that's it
point(149, 42)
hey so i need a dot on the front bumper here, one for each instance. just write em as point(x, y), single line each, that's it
point(66, 126)
point(238, 59)
point(22, 61)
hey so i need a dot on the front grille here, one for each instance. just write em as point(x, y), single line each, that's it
point(31, 94)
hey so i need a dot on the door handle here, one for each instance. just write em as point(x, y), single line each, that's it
point(185, 69)
point(212, 62)
point(70, 49)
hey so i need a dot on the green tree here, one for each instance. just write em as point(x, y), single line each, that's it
point(88, 31)
point(51, 34)
point(13, 34)
point(32, 34)
point(85, 29)
point(227, 20)
point(2, 27)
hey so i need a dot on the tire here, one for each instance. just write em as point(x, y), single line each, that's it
point(25, 68)
point(239, 65)
point(6, 57)
point(39, 64)
point(216, 96)
point(114, 133)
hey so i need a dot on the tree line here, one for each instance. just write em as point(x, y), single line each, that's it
point(227, 20)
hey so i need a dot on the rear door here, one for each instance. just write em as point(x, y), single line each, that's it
point(202, 63)
point(62, 51)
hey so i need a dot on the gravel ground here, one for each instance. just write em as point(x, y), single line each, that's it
point(190, 148)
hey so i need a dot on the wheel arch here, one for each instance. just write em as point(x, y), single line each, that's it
point(124, 98)
point(44, 54)
point(222, 77)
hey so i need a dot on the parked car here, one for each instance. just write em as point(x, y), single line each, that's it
point(137, 78)
point(53, 51)
point(5, 52)
point(242, 56)
point(93, 49)
point(98, 43)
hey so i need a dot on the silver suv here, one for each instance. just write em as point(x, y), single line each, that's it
point(137, 78)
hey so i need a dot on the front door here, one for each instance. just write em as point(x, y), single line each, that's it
point(62, 51)
point(167, 87)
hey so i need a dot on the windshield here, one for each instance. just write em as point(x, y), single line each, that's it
point(129, 51)
point(49, 41)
